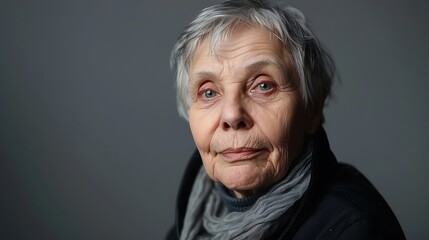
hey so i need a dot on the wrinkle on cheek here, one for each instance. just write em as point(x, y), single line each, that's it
point(210, 165)
point(283, 148)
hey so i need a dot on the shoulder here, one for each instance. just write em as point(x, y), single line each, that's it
point(350, 208)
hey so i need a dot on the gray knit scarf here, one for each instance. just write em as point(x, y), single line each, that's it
point(207, 217)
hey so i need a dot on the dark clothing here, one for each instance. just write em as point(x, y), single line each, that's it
point(340, 203)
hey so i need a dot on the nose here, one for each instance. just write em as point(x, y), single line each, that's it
point(235, 115)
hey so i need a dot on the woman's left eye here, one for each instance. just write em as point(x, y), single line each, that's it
point(265, 86)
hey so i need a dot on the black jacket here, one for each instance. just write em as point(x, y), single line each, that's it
point(340, 203)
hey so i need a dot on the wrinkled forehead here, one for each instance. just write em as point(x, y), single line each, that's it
point(222, 34)
point(221, 40)
point(217, 44)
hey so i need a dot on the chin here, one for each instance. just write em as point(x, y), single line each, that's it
point(242, 179)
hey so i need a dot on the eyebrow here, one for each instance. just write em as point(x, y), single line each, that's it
point(202, 75)
point(261, 64)
point(250, 68)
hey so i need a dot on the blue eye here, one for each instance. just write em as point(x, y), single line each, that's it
point(209, 93)
point(265, 86)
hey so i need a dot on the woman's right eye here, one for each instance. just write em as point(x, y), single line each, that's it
point(209, 93)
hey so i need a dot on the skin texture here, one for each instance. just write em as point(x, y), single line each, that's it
point(246, 116)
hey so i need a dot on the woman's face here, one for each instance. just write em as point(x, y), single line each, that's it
point(246, 115)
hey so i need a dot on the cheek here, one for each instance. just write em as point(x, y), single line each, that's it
point(202, 129)
point(282, 127)
point(281, 147)
point(201, 137)
point(275, 126)
point(197, 131)
point(290, 137)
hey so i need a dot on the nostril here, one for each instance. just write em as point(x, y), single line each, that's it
point(241, 124)
point(236, 126)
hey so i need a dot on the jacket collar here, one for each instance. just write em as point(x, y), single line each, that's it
point(323, 165)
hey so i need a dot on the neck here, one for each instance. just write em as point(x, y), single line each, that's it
point(235, 203)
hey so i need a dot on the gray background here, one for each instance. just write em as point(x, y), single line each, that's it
point(91, 146)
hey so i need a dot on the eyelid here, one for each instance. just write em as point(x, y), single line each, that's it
point(262, 78)
point(205, 85)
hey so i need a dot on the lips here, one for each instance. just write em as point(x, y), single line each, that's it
point(240, 154)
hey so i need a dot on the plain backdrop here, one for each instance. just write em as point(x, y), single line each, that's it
point(91, 146)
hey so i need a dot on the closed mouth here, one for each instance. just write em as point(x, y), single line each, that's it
point(240, 154)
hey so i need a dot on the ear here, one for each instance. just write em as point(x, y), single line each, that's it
point(315, 117)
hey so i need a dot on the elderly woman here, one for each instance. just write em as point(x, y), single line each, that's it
point(252, 81)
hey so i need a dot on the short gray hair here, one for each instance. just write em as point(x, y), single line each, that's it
point(312, 63)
